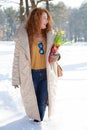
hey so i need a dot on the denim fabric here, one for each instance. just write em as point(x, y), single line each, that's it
point(40, 84)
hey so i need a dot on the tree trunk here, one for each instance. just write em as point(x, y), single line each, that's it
point(21, 11)
point(27, 7)
point(47, 5)
point(33, 5)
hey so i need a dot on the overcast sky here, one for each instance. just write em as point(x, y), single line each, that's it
point(70, 3)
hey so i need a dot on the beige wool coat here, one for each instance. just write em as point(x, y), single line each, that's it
point(21, 73)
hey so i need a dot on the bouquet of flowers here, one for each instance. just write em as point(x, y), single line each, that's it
point(58, 41)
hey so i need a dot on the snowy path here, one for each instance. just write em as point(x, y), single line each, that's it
point(71, 107)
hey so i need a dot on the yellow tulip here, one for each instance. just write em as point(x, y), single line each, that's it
point(62, 32)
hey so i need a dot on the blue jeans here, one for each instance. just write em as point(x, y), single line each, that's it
point(40, 84)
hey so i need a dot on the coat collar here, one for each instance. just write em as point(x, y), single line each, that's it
point(21, 38)
point(50, 40)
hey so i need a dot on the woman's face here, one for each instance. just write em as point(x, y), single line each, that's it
point(44, 20)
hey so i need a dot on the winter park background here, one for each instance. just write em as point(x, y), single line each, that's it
point(71, 101)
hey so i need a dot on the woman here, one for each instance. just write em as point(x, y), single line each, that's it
point(31, 69)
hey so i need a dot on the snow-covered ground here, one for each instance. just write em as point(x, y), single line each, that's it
point(71, 106)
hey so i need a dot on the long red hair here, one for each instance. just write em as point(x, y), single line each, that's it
point(33, 23)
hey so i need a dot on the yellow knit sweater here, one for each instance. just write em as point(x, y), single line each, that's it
point(38, 60)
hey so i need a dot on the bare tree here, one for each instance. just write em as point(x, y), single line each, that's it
point(46, 1)
point(21, 11)
point(27, 7)
point(47, 5)
point(33, 5)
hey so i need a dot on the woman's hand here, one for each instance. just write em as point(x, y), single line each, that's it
point(58, 56)
point(55, 57)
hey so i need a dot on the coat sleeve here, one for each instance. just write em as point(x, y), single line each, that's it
point(15, 67)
